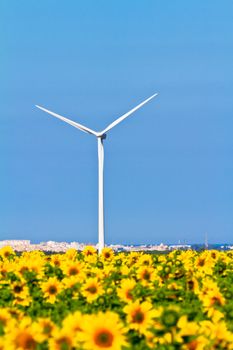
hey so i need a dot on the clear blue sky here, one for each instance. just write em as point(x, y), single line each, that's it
point(168, 169)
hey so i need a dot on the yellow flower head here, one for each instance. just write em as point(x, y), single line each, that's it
point(125, 290)
point(22, 336)
point(92, 289)
point(61, 339)
point(71, 254)
point(103, 331)
point(33, 263)
point(73, 323)
point(187, 328)
point(146, 274)
point(71, 282)
point(145, 260)
point(56, 259)
point(89, 250)
point(133, 258)
point(21, 294)
point(51, 288)
point(140, 316)
point(43, 329)
point(107, 254)
point(212, 298)
point(5, 317)
point(6, 251)
point(73, 268)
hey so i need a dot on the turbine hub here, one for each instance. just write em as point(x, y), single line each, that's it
point(103, 137)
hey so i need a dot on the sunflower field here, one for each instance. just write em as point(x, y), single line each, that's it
point(180, 300)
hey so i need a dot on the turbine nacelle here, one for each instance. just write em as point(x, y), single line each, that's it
point(101, 135)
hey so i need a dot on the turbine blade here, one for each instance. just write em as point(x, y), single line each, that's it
point(124, 116)
point(71, 122)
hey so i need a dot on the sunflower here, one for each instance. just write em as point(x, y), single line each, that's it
point(89, 250)
point(36, 264)
point(103, 331)
point(71, 254)
point(22, 266)
point(146, 274)
point(56, 259)
point(145, 260)
point(215, 315)
point(71, 282)
point(16, 314)
point(192, 284)
point(140, 316)
point(6, 251)
point(125, 290)
point(43, 329)
point(213, 298)
point(21, 293)
point(4, 344)
point(187, 328)
point(22, 336)
point(124, 270)
point(3, 271)
point(107, 254)
point(51, 288)
point(92, 289)
point(6, 319)
point(61, 340)
point(133, 258)
point(204, 264)
point(73, 268)
point(219, 335)
point(73, 323)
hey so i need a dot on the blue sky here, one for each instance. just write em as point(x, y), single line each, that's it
point(168, 169)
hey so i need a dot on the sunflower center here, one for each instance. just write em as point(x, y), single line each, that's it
point(52, 290)
point(73, 271)
point(64, 343)
point(138, 316)
point(190, 285)
point(201, 262)
point(88, 252)
point(129, 294)
point(146, 262)
point(92, 289)
point(3, 321)
point(18, 289)
point(107, 255)
point(192, 345)
point(133, 261)
point(24, 269)
point(103, 338)
point(26, 341)
point(216, 300)
point(146, 275)
point(47, 329)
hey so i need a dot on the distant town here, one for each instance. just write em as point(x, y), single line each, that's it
point(52, 246)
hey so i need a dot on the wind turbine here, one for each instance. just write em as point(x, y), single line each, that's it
point(101, 136)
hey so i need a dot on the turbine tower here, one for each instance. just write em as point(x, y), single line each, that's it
point(101, 136)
